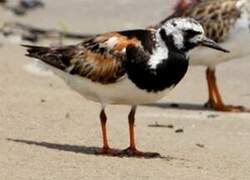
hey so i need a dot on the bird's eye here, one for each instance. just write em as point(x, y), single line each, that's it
point(191, 33)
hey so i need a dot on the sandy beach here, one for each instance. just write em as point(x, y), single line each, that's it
point(49, 132)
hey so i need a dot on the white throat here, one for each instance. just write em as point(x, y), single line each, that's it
point(160, 52)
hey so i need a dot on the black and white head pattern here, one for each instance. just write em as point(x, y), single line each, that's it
point(182, 33)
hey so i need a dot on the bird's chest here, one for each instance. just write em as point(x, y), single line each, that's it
point(166, 74)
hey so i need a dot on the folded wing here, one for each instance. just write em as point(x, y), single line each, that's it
point(99, 58)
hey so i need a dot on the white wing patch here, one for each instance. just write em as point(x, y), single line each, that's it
point(111, 42)
point(70, 68)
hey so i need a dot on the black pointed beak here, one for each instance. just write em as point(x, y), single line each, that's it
point(212, 44)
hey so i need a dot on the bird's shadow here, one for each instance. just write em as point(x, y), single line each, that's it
point(180, 106)
point(59, 147)
point(77, 149)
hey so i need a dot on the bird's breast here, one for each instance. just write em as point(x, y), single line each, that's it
point(165, 74)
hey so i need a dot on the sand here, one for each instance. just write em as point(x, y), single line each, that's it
point(49, 132)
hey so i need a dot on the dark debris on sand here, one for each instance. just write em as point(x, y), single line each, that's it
point(200, 145)
point(23, 6)
point(157, 125)
point(35, 34)
point(179, 131)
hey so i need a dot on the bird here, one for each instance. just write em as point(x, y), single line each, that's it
point(129, 67)
point(227, 22)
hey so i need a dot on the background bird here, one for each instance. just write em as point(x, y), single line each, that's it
point(226, 22)
point(128, 67)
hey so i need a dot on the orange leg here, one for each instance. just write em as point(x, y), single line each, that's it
point(215, 100)
point(132, 150)
point(106, 150)
point(211, 100)
point(219, 102)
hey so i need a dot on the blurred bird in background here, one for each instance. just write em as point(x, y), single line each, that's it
point(226, 22)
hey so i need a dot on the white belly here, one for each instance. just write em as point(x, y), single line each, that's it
point(121, 92)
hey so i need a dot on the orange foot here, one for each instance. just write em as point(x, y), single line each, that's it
point(133, 152)
point(106, 151)
point(226, 108)
point(231, 108)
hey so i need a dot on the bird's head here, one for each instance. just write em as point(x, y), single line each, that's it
point(184, 4)
point(184, 34)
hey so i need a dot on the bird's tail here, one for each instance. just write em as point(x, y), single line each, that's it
point(58, 57)
point(35, 51)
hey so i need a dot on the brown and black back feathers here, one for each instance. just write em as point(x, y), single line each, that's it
point(216, 16)
point(99, 58)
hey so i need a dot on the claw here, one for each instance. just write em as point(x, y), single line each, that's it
point(231, 108)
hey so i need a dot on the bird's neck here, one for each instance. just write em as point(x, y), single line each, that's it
point(165, 45)
point(159, 54)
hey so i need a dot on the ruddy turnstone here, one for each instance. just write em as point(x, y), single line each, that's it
point(226, 22)
point(128, 67)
